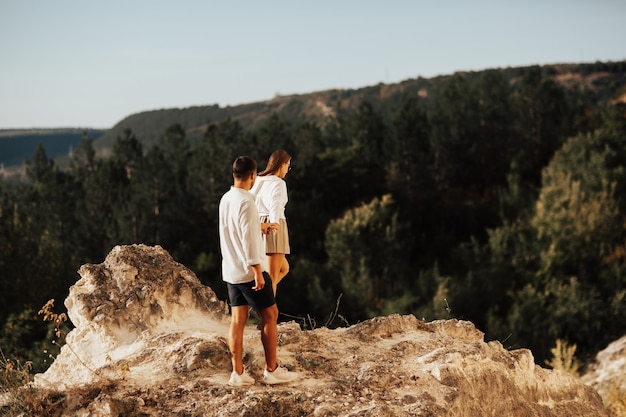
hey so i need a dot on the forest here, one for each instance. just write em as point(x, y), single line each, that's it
point(498, 202)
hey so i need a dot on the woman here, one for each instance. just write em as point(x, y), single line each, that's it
point(270, 191)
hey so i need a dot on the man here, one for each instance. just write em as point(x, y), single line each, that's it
point(244, 270)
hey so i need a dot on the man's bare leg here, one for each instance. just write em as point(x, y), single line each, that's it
point(239, 317)
point(269, 336)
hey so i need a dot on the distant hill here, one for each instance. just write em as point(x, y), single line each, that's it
point(605, 81)
point(18, 145)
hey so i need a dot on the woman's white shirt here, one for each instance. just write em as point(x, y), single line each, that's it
point(270, 192)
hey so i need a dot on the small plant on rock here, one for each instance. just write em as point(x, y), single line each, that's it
point(563, 358)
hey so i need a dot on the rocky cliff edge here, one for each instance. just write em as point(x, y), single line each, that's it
point(150, 340)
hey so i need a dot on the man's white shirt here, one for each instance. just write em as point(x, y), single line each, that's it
point(241, 240)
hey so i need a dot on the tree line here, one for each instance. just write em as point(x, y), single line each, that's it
point(496, 202)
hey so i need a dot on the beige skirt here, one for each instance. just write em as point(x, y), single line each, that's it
point(277, 242)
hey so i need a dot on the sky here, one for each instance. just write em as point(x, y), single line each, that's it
point(89, 64)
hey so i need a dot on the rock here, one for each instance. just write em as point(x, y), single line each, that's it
point(137, 308)
point(608, 373)
point(150, 340)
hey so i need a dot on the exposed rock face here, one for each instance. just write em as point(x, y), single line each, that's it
point(150, 340)
point(127, 310)
point(608, 374)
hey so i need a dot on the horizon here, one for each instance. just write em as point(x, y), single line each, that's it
point(73, 65)
point(7, 131)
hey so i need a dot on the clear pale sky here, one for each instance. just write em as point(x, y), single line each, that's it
point(81, 63)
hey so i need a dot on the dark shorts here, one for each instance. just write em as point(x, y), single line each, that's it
point(243, 294)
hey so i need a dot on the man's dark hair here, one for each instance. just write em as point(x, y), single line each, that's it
point(243, 167)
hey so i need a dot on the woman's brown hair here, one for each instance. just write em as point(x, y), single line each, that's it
point(277, 159)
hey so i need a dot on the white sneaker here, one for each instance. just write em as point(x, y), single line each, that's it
point(237, 380)
point(279, 376)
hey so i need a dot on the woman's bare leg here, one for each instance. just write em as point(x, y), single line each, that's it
point(279, 267)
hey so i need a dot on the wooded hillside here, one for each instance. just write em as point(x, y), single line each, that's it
point(601, 81)
point(493, 196)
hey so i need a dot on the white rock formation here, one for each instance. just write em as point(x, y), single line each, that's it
point(150, 340)
point(608, 373)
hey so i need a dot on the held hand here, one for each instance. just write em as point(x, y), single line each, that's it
point(266, 228)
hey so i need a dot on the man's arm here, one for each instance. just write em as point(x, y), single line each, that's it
point(259, 280)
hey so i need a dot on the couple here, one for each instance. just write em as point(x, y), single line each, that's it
point(250, 280)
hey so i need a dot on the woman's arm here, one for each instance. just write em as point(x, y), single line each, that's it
point(278, 201)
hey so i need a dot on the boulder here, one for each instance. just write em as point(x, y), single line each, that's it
point(607, 374)
point(151, 340)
